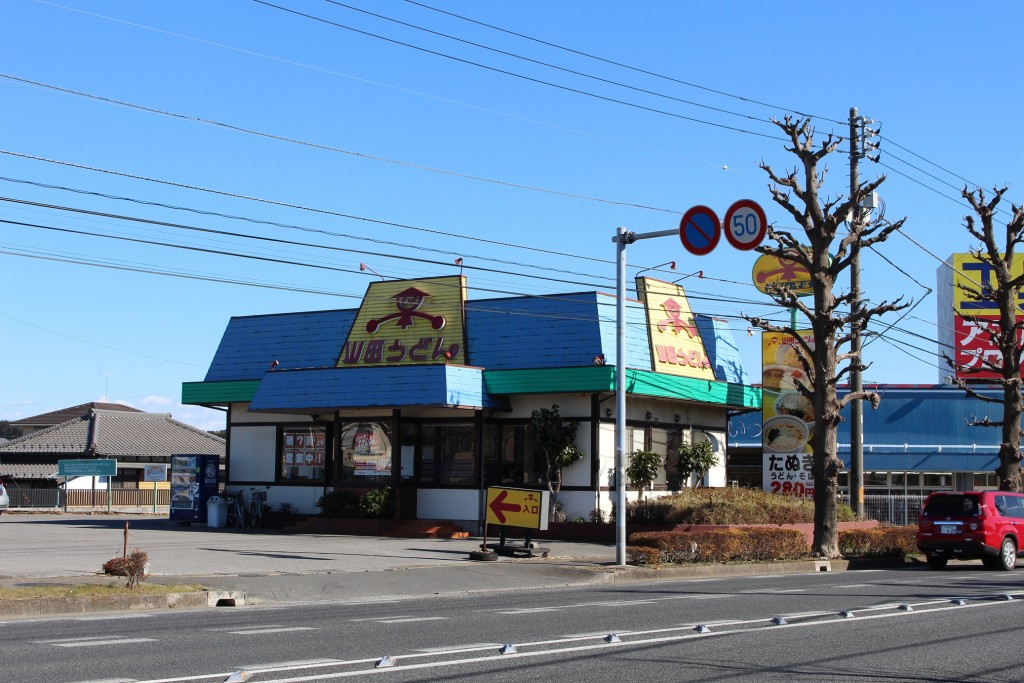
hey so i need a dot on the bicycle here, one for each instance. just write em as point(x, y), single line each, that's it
point(257, 499)
point(236, 510)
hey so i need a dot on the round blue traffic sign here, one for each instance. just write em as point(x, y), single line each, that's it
point(699, 230)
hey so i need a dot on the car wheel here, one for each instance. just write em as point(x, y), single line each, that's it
point(937, 562)
point(1007, 554)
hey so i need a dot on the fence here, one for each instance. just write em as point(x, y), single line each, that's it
point(77, 498)
point(896, 507)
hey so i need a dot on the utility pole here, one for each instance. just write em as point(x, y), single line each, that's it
point(856, 381)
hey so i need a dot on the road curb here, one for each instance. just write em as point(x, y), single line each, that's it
point(70, 605)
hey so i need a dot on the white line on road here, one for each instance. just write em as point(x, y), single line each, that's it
point(111, 641)
point(404, 620)
point(278, 629)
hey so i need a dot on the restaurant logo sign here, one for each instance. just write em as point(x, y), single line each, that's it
point(676, 345)
point(409, 322)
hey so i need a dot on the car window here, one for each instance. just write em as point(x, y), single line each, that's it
point(952, 506)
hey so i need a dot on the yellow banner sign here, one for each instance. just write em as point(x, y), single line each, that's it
point(676, 346)
point(409, 322)
point(526, 508)
point(977, 276)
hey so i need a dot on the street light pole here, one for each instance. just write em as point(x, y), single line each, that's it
point(622, 238)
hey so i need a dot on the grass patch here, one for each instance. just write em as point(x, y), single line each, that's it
point(727, 506)
point(89, 590)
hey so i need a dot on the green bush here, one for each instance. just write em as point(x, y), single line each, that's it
point(744, 544)
point(377, 503)
point(339, 503)
point(883, 541)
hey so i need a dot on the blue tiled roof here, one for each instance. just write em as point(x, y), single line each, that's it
point(296, 340)
point(410, 385)
point(557, 331)
point(721, 349)
point(520, 333)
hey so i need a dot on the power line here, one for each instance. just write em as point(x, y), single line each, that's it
point(323, 147)
point(619, 64)
point(513, 74)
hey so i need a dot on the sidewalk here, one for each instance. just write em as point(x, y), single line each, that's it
point(270, 566)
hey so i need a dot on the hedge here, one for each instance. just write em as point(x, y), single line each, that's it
point(736, 544)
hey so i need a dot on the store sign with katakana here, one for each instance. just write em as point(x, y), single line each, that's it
point(409, 322)
point(676, 346)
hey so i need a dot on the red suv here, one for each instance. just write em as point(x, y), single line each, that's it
point(969, 525)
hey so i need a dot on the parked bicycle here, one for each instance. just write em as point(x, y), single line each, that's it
point(257, 501)
point(237, 514)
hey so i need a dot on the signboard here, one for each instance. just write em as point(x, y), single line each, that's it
point(777, 270)
point(676, 346)
point(154, 473)
point(700, 230)
point(106, 467)
point(745, 224)
point(526, 508)
point(974, 349)
point(409, 322)
point(787, 417)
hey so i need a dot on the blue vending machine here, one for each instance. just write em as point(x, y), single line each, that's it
point(194, 478)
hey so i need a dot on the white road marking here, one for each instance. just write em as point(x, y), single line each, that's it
point(397, 616)
point(404, 620)
point(108, 680)
point(112, 617)
point(111, 641)
point(277, 629)
point(854, 585)
point(457, 648)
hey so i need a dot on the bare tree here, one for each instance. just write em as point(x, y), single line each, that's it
point(825, 254)
point(1002, 287)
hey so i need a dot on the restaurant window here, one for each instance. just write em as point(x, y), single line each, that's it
point(365, 452)
point(303, 451)
point(509, 456)
point(666, 442)
point(447, 454)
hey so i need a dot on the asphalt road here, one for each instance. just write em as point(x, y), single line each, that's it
point(905, 625)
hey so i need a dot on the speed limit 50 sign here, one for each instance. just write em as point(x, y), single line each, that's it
point(745, 224)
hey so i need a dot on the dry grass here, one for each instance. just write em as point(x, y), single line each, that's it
point(88, 590)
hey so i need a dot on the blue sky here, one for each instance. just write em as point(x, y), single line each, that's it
point(363, 143)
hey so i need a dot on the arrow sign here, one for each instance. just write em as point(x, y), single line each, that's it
point(526, 508)
point(499, 507)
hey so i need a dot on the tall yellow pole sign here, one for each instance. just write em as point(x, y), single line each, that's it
point(525, 508)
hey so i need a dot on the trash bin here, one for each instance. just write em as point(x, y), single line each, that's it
point(216, 512)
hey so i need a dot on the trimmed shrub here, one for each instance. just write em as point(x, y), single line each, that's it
point(377, 503)
point(727, 506)
point(134, 566)
point(717, 545)
point(883, 541)
point(339, 503)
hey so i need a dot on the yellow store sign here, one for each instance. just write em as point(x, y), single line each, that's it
point(409, 322)
point(978, 276)
point(676, 345)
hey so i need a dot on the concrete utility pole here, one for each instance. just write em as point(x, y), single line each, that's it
point(856, 407)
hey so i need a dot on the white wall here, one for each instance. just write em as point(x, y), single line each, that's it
point(253, 453)
point(456, 505)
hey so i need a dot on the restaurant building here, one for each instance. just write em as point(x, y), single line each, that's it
point(426, 392)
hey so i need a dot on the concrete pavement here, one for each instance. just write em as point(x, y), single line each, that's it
point(270, 566)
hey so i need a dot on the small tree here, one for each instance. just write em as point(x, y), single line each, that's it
point(643, 470)
point(696, 458)
point(999, 288)
point(556, 440)
point(9, 431)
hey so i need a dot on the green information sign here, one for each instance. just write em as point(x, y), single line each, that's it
point(106, 467)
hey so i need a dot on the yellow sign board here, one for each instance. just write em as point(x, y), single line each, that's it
point(409, 322)
point(780, 271)
point(676, 346)
point(526, 508)
point(977, 276)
